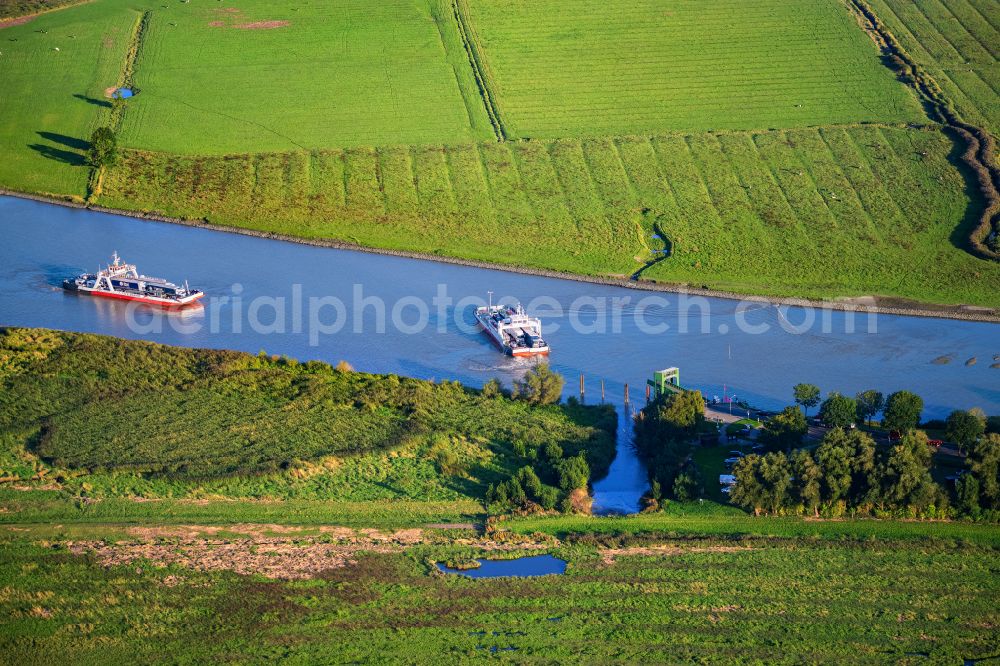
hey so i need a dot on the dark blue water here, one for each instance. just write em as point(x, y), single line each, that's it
point(42, 244)
point(522, 567)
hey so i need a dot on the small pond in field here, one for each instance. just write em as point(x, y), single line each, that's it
point(522, 567)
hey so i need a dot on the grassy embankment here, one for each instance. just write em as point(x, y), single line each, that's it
point(796, 172)
point(93, 425)
point(958, 42)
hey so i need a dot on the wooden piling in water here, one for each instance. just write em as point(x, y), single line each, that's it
point(602, 390)
point(647, 393)
point(582, 389)
point(626, 394)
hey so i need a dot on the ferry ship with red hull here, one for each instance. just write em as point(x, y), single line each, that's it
point(512, 330)
point(122, 281)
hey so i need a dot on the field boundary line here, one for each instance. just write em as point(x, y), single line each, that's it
point(480, 69)
point(95, 182)
point(980, 146)
point(127, 77)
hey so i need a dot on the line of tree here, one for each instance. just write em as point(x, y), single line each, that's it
point(900, 411)
point(849, 473)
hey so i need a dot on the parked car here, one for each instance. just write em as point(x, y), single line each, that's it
point(737, 454)
point(936, 443)
point(732, 461)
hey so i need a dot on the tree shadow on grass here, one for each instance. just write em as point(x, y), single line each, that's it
point(961, 235)
point(59, 155)
point(69, 141)
point(93, 100)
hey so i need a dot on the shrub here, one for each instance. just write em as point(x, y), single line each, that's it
point(539, 386)
point(492, 389)
point(573, 473)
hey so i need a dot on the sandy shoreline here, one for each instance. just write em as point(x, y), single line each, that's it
point(860, 304)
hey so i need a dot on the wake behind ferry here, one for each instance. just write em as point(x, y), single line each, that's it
point(512, 329)
point(123, 281)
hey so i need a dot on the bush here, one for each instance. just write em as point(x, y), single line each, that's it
point(539, 386)
point(103, 151)
point(573, 473)
point(492, 389)
point(688, 484)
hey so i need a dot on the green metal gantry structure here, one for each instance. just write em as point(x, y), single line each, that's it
point(665, 381)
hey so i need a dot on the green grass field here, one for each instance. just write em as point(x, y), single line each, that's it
point(695, 600)
point(566, 68)
point(259, 76)
point(52, 100)
point(958, 41)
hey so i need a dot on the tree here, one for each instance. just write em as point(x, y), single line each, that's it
point(806, 395)
point(964, 428)
point(902, 411)
point(806, 478)
point(540, 385)
point(687, 484)
point(492, 389)
point(785, 431)
point(865, 474)
point(528, 480)
point(870, 403)
point(838, 411)
point(967, 491)
point(907, 479)
point(573, 473)
point(984, 464)
point(748, 490)
point(834, 458)
point(762, 483)
point(679, 414)
point(103, 151)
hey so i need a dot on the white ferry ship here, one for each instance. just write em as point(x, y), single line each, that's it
point(122, 281)
point(513, 331)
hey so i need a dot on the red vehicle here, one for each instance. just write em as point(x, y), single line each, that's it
point(936, 443)
point(894, 436)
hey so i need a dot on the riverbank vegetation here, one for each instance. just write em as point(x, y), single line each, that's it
point(810, 175)
point(96, 417)
point(883, 472)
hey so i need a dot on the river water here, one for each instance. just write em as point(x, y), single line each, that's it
point(755, 351)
